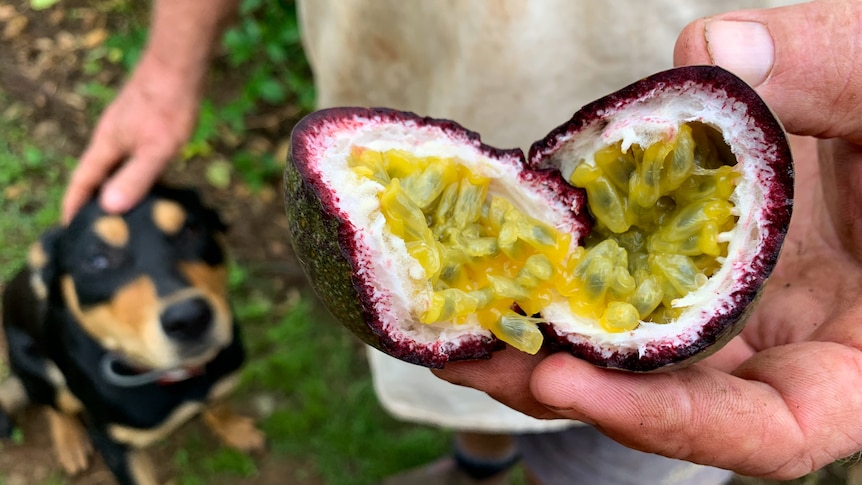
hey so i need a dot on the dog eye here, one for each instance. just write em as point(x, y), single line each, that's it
point(97, 262)
point(102, 260)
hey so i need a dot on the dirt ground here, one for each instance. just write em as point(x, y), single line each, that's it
point(41, 58)
point(41, 63)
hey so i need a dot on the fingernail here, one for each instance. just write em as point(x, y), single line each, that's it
point(742, 47)
point(113, 201)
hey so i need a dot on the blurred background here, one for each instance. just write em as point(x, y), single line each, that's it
point(61, 62)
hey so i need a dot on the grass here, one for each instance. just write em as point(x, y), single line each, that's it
point(307, 377)
point(323, 413)
point(31, 179)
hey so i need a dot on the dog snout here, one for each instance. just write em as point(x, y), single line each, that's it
point(187, 320)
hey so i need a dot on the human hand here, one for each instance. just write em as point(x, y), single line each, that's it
point(155, 112)
point(136, 137)
point(784, 398)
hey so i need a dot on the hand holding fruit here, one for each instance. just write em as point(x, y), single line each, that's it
point(783, 398)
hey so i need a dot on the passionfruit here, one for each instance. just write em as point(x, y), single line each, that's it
point(637, 235)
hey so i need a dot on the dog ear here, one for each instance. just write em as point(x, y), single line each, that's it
point(210, 216)
point(215, 219)
point(190, 197)
point(42, 262)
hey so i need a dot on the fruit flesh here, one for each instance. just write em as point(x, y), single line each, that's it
point(663, 217)
point(488, 262)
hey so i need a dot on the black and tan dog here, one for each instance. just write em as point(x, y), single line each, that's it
point(120, 325)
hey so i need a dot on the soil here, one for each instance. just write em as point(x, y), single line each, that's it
point(42, 58)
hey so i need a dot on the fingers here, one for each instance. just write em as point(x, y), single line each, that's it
point(782, 415)
point(123, 181)
point(98, 160)
point(731, 355)
point(505, 377)
point(137, 135)
point(134, 178)
point(802, 59)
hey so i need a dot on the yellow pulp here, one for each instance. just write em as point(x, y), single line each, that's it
point(483, 256)
point(659, 212)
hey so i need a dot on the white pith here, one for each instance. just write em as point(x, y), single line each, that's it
point(400, 290)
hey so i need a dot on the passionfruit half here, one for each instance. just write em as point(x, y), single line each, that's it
point(637, 235)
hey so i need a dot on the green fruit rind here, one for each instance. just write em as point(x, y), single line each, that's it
point(314, 234)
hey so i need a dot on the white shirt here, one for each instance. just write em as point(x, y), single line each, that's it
point(511, 70)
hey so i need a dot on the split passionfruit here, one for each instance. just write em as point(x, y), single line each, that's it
point(636, 235)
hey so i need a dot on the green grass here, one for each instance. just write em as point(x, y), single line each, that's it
point(321, 416)
point(329, 411)
point(325, 415)
point(196, 464)
point(31, 180)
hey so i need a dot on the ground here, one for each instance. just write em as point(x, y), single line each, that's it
point(41, 66)
point(42, 69)
point(55, 76)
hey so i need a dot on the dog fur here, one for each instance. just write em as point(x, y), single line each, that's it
point(120, 326)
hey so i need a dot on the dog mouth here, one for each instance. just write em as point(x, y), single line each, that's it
point(166, 358)
point(190, 361)
point(118, 371)
point(198, 353)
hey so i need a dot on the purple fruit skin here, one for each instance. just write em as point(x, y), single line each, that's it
point(720, 329)
point(325, 243)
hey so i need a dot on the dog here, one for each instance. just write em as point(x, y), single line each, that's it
point(120, 326)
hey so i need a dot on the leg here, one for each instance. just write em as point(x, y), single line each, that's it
point(71, 444)
point(485, 456)
point(13, 398)
point(7, 425)
point(234, 430)
point(581, 454)
point(130, 466)
point(477, 458)
point(13, 395)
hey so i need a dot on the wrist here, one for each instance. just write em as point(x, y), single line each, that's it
point(183, 36)
point(166, 82)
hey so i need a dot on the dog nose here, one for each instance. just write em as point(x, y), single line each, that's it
point(187, 320)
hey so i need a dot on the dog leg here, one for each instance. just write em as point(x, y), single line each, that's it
point(13, 398)
point(234, 430)
point(71, 444)
point(130, 466)
point(141, 468)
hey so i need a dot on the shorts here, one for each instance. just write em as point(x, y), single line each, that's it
point(583, 455)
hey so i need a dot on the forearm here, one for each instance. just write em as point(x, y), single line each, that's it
point(155, 112)
point(184, 33)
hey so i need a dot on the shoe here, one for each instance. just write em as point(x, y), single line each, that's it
point(451, 471)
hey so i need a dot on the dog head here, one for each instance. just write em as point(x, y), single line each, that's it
point(150, 285)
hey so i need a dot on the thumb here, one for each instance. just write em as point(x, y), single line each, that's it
point(804, 60)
